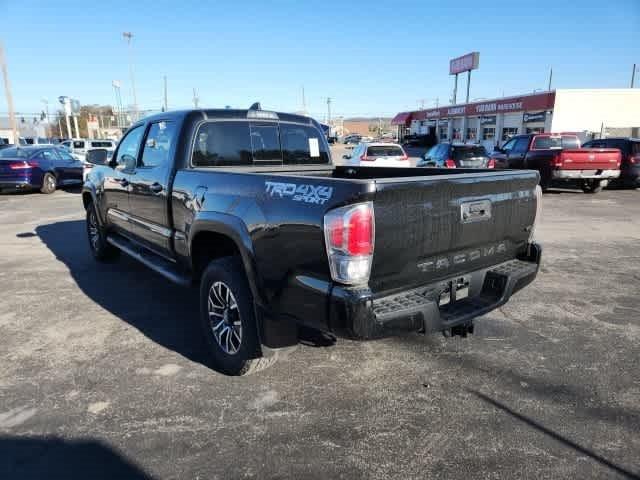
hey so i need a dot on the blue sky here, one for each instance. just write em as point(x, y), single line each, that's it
point(371, 58)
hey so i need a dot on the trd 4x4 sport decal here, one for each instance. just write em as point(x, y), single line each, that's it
point(317, 194)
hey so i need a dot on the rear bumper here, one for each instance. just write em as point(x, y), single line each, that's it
point(23, 184)
point(357, 313)
point(585, 174)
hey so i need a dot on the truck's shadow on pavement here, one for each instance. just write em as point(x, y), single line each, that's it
point(56, 458)
point(165, 313)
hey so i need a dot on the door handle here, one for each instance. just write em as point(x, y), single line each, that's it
point(124, 182)
point(155, 187)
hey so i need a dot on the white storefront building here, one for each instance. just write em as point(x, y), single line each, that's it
point(589, 112)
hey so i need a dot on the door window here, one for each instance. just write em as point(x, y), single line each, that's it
point(158, 144)
point(78, 144)
point(521, 145)
point(46, 155)
point(129, 147)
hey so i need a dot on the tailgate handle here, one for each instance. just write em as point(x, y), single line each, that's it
point(475, 211)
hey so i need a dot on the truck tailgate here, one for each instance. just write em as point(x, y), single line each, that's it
point(589, 159)
point(432, 228)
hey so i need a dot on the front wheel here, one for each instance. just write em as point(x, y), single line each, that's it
point(592, 186)
point(228, 319)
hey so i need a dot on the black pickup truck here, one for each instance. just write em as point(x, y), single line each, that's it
point(247, 205)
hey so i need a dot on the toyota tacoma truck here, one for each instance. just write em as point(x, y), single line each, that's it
point(247, 205)
point(560, 160)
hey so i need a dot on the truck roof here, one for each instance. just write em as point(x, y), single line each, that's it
point(232, 114)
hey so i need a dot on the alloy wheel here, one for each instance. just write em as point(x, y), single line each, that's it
point(224, 318)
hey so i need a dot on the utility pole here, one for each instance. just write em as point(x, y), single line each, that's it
point(328, 110)
point(633, 76)
point(166, 104)
point(129, 36)
point(7, 91)
point(550, 78)
point(195, 98)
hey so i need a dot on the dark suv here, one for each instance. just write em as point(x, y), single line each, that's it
point(448, 155)
point(630, 165)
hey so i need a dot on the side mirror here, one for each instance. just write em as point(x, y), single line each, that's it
point(346, 157)
point(97, 157)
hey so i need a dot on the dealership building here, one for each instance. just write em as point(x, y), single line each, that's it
point(589, 112)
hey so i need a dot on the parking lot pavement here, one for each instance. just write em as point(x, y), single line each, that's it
point(102, 372)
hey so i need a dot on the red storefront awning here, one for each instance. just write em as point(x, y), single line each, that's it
point(403, 118)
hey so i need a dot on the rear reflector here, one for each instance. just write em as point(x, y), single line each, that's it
point(450, 163)
point(491, 163)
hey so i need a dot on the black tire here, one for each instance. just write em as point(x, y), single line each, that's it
point(49, 183)
point(592, 186)
point(101, 250)
point(228, 272)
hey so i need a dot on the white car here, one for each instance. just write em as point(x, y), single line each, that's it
point(377, 155)
point(78, 147)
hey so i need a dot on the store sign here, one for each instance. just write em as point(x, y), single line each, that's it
point(490, 120)
point(443, 123)
point(470, 61)
point(451, 111)
point(530, 117)
point(535, 102)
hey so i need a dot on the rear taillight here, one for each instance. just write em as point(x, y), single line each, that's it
point(557, 160)
point(22, 165)
point(349, 234)
point(491, 163)
point(450, 163)
point(536, 220)
point(364, 158)
point(404, 157)
point(635, 160)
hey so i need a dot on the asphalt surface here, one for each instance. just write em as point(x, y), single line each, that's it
point(102, 373)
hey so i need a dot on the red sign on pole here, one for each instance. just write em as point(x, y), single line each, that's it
point(470, 61)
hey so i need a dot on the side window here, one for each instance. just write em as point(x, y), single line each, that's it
point(302, 145)
point(46, 155)
point(78, 144)
point(129, 147)
point(265, 143)
point(521, 145)
point(222, 144)
point(65, 156)
point(509, 145)
point(158, 144)
point(432, 152)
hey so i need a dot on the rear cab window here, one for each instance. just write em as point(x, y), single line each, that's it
point(256, 143)
point(466, 152)
point(385, 151)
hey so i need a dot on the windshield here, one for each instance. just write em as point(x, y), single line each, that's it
point(101, 144)
point(385, 151)
point(14, 153)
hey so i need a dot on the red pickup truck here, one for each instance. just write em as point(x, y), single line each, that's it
point(559, 159)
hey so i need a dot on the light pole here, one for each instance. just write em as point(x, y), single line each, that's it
point(116, 89)
point(129, 36)
point(46, 108)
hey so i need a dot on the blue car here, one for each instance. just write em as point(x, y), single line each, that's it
point(38, 168)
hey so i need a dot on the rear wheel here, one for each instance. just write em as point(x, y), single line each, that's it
point(228, 319)
point(591, 186)
point(101, 249)
point(48, 183)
